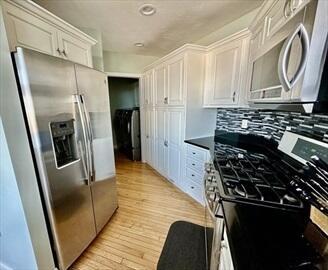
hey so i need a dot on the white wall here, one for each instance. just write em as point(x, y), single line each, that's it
point(97, 50)
point(16, 250)
point(24, 241)
point(126, 63)
point(229, 29)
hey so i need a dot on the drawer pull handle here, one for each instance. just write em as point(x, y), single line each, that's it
point(192, 175)
point(192, 187)
point(193, 164)
point(193, 153)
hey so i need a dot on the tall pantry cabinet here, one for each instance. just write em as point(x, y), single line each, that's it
point(172, 110)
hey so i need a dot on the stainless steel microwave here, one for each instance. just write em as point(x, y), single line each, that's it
point(289, 71)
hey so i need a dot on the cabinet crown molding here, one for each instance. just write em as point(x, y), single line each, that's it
point(183, 49)
point(238, 35)
point(199, 48)
point(31, 7)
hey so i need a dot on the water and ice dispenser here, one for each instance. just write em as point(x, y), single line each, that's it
point(64, 142)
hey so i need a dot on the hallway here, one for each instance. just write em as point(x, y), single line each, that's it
point(135, 235)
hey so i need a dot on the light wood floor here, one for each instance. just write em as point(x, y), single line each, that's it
point(135, 235)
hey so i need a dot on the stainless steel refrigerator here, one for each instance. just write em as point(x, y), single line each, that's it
point(68, 119)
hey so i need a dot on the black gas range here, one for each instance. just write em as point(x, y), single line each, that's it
point(251, 188)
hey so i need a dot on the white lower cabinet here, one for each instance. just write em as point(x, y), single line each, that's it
point(193, 180)
point(149, 137)
point(168, 137)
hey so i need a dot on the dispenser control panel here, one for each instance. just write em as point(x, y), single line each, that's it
point(62, 128)
point(64, 142)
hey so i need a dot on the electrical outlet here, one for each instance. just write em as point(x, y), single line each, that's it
point(244, 123)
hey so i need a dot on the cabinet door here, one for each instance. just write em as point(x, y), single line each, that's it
point(257, 38)
point(225, 78)
point(160, 85)
point(28, 31)
point(148, 88)
point(174, 142)
point(175, 81)
point(145, 89)
point(147, 136)
point(74, 49)
point(149, 140)
point(160, 141)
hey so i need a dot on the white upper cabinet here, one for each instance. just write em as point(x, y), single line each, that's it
point(169, 82)
point(226, 72)
point(160, 85)
point(74, 49)
point(175, 80)
point(148, 93)
point(30, 26)
point(28, 31)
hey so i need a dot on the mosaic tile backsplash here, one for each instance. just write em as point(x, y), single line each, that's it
point(272, 124)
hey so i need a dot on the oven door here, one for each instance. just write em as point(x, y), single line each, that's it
point(214, 224)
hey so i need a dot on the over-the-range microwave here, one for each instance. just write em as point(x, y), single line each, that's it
point(290, 72)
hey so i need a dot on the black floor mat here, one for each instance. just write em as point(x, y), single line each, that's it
point(184, 248)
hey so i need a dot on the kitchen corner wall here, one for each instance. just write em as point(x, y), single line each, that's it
point(272, 124)
point(126, 63)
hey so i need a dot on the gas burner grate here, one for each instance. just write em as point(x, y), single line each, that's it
point(251, 176)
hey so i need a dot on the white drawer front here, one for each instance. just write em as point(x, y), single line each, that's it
point(198, 166)
point(194, 176)
point(195, 191)
point(196, 153)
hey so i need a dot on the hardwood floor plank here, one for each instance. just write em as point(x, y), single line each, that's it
point(135, 235)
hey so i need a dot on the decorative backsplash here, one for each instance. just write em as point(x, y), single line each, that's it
point(272, 124)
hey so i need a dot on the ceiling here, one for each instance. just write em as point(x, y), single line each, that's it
point(174, 24)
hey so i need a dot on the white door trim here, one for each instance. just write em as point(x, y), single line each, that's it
point(124, 75)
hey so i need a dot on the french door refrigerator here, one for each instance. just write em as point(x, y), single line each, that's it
point(68, 119)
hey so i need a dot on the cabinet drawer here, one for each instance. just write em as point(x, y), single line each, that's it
point(194, 176)
point(196, 153)
point(197, 165)
point(195, 191)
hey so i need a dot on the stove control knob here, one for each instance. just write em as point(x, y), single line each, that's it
point(212, 197)
point(210, 178)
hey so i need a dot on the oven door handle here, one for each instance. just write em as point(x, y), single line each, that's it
point(283, 57)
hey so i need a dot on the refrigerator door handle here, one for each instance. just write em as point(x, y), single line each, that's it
point(79, 105)
point(90, 137)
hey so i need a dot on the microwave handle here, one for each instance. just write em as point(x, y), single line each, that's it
point(282, 64)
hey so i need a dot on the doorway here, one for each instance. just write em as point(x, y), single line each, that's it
point(125, 116)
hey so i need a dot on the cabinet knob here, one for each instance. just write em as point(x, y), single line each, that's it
point(59, 52)
point(234, 96)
